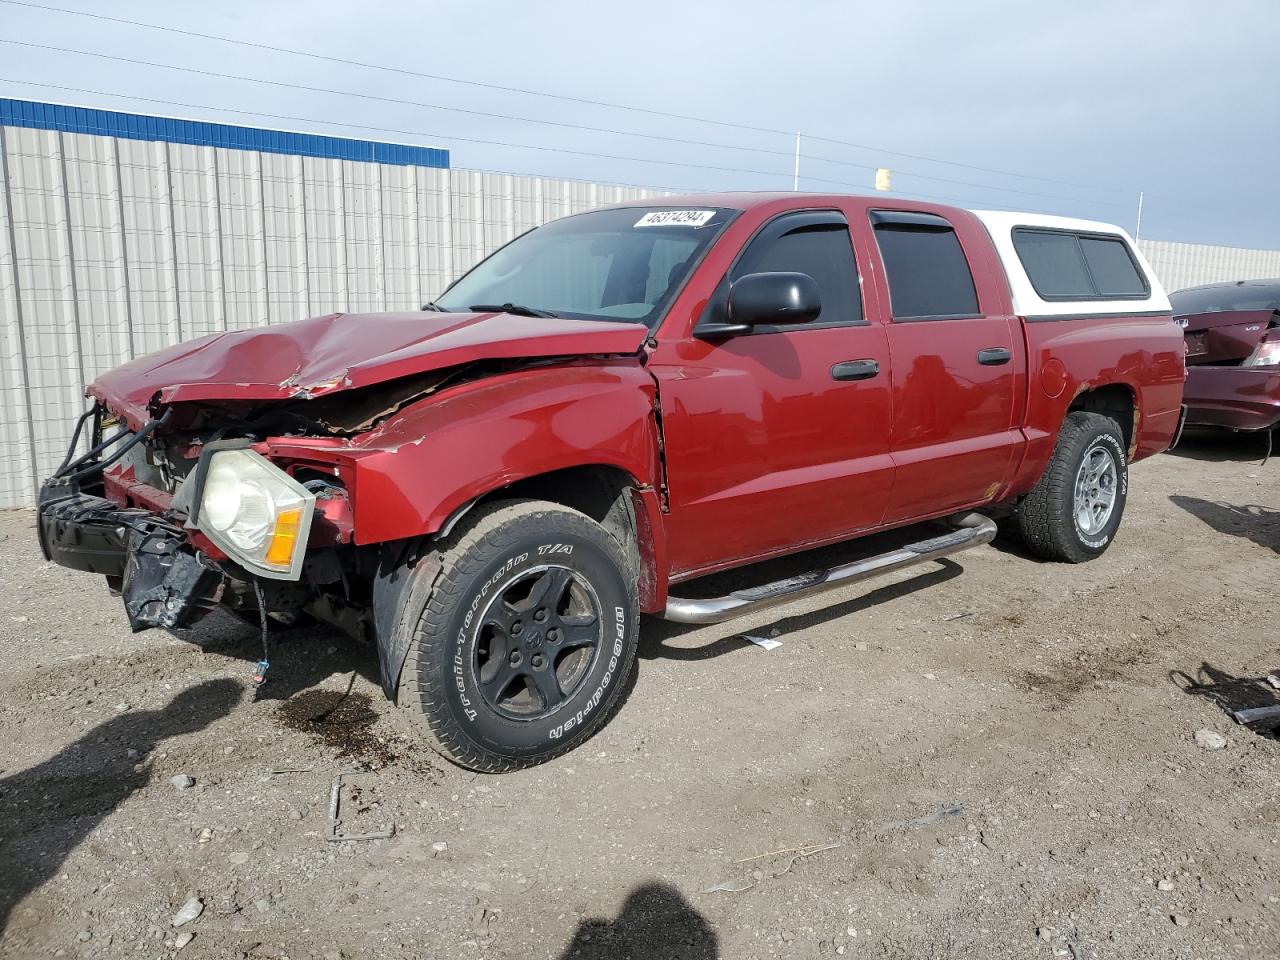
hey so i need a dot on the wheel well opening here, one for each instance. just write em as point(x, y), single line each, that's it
point(1115, 401)
point(592, 490)
point(602, 492)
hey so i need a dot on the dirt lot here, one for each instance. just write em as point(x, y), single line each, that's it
point(992, 758)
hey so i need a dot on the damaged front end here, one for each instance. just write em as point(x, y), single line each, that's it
point(166, 583)
point(174, 547)
point(162, 579)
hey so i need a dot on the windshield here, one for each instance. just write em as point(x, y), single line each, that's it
point(623, 264)
point(1226, 298)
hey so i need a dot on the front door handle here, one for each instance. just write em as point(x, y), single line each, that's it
point(855, 370)
point(994, 356)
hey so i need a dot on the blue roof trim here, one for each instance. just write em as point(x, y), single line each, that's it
point(134, 126)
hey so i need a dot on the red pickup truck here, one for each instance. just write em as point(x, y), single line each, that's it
point(492, 490)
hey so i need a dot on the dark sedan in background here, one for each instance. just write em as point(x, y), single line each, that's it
point(1232, 333)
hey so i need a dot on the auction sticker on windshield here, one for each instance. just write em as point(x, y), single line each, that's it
point(675, 218)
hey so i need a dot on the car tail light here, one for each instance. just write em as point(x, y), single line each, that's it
point(1265, 354)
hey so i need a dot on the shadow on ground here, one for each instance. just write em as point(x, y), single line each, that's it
point(1251, 521)
point(1009, 540)
point(1232, 693)
point(46, 811)
point(1221, 446)
point(656, 923)
point(656, 633)
point(300, 657)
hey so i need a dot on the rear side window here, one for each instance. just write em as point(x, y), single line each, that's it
point(1054, 264)
point(814, 243)
point(1112, 268)
point(928, 274)
point(1064, 265)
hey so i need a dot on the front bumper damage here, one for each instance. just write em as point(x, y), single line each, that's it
point(166, 583)
point(147, 557)
point(130, 513)
point(162, 579)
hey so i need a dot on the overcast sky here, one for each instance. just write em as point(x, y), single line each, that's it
point(1177, 99)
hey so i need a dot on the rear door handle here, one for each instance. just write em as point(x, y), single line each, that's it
point(855, 370)
point(994, 356)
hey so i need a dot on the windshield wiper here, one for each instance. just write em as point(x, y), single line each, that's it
point(434, 306)
point(515, 308)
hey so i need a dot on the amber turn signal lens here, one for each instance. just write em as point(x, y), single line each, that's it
point(284, 538)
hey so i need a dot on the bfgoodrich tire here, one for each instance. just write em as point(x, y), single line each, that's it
point(521, 647)
point(1074, 511)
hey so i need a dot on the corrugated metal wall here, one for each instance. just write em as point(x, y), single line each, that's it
point(112, 248)
point(1181, 265)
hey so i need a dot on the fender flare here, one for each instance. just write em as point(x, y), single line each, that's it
point(406, 572)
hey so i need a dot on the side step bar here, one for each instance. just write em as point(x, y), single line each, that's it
point(973, 530)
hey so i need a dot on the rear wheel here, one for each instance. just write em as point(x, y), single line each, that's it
point(521, 647)
point(1074, 511)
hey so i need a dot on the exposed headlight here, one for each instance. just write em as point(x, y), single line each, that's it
point(257, 513)
point(1265, 354)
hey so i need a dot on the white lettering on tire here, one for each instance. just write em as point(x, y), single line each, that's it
point(465, 636)
point(620, 633)
point(565, 548)
point(459, 661)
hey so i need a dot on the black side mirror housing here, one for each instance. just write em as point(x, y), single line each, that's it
point(766, 299)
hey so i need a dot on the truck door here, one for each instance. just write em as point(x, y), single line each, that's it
point(957, 359)
point(776, 437)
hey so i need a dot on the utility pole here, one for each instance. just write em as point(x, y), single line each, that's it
point(795, 176)
point(1137, 230)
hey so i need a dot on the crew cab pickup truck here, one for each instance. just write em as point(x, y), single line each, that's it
point(493, 489)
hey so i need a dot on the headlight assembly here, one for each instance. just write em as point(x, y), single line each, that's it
point(257, 513)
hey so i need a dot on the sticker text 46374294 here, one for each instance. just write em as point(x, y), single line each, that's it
point(675, 218)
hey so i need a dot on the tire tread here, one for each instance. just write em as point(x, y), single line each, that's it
point(421, 690)
point(1045, 531)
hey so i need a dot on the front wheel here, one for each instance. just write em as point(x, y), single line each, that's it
point(1074, 511)
point(520, 650)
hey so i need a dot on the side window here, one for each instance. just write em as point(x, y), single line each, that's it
point(1063, 265)
point(814, 243)
point(1112, 268)
point(925, 266)
point(1054, 264)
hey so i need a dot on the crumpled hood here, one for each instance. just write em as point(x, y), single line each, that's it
point(344, 351)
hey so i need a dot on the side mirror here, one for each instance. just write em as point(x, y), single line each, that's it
point(765, 299)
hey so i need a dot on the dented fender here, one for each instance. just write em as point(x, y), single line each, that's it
point(410, 475)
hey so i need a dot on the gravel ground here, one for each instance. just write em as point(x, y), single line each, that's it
point(994, 757)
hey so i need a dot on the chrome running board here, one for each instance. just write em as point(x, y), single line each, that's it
point(973, 530)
